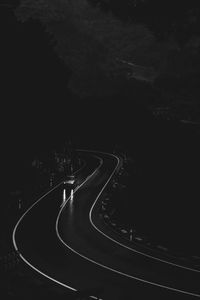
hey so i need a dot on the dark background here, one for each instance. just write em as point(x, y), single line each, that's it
point(39, 113)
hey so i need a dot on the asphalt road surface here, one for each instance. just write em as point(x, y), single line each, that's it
point(61, 240)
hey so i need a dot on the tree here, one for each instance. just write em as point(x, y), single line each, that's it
point(107, 52)
point(93, 43)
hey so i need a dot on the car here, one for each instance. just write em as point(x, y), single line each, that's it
point(70, 181)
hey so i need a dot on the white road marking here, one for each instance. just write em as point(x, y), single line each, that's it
point(129, 248)
point(19, 221)
point(106, 267)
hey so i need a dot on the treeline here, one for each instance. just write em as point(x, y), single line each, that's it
point(93, 38)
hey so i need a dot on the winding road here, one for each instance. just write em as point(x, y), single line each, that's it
point(68, 244)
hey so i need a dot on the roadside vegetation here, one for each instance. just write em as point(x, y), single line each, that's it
point(109, 47)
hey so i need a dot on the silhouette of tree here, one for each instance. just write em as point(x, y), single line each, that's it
point(92, 43)
point(162, 17)
point(106, 44)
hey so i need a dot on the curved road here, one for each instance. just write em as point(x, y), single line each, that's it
point(67, 246)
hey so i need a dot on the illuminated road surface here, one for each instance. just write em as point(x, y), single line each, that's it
point(63, 244)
